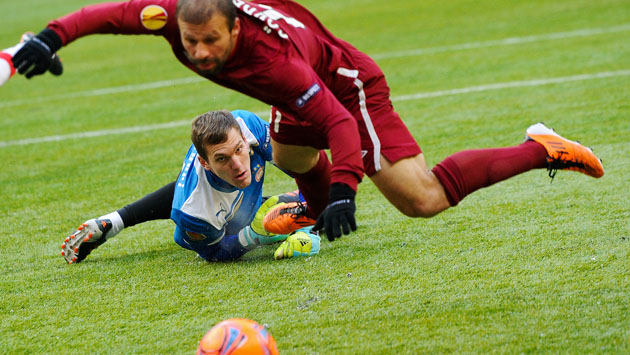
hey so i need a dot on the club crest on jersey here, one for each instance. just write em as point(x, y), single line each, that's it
point(312, 91)
point(195, 236)
point(153, 17)
point(260, 170)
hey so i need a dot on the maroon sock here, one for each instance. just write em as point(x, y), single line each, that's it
point(314, 185)
point(467, 171)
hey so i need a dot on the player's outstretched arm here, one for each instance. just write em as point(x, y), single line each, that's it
point(124, 17)
point(250, 239)
point(342, 134)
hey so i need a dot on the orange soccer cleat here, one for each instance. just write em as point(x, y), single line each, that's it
point(563, 154)
point(286, 218)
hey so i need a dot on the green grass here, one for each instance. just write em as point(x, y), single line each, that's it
point(526, 266)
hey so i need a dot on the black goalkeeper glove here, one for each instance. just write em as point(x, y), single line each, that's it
point(36, 56)
point(339, 215)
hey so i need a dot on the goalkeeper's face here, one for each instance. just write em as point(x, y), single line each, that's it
point(209, 45)
point(229, 160)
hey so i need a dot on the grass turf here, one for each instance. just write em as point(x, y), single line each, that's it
point(525, 266)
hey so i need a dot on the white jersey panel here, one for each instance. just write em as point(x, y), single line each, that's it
point(210, 205)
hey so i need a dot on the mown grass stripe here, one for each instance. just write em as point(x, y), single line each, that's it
point(418, 96)
point(502, 42)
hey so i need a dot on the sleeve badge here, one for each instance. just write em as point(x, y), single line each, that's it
point(153, 17)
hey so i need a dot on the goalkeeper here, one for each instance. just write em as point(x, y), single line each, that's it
point(216, 202)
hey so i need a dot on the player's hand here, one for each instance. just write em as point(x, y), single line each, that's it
point(36, 56)
point(339, 215)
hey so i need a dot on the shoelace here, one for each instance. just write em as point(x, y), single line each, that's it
point(295, 211)
point(559, 164)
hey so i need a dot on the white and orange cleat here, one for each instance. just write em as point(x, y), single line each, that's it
point(285, 218)
point(88, 237)
point(563, 154)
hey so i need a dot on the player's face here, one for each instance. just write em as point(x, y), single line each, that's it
point(230, 160)
point(209, 45)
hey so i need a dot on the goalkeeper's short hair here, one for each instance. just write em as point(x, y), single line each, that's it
point(211, 128)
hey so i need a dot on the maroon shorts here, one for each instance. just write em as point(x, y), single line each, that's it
point(381, 129)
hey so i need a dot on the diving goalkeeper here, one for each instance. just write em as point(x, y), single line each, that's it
point(216, 202)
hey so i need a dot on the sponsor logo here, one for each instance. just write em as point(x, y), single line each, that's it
point(267, 139)
point(312, 91)
point(268, 16)
point(195, 236)
point(153, 17)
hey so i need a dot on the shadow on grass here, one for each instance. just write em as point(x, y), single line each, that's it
point(172, 253)
point(129, 256)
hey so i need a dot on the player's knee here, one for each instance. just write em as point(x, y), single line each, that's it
point(425, 205)
point(419, 209)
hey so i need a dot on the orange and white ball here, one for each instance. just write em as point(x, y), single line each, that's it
point(237, 336)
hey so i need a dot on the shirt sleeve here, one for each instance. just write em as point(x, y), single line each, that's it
point(117, 18)
point(196, 228)
point(307, 96)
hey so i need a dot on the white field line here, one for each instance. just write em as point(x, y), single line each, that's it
point(398, 54)
point(106, 91)
point(104, 132)
point(512, 84)
point(419, 96)
point(502, 42)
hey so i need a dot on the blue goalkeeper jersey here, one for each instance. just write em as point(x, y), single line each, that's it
point(205, 207)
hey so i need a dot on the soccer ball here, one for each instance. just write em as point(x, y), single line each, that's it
point(237, 336)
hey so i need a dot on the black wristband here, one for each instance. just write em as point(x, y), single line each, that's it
point(340, 191)
point(51, 38)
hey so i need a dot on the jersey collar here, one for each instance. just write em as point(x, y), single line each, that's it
point(217, 183)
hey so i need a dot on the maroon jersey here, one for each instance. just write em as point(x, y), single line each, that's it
point(284, 57)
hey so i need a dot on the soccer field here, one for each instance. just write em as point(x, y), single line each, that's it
point(525, 266)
